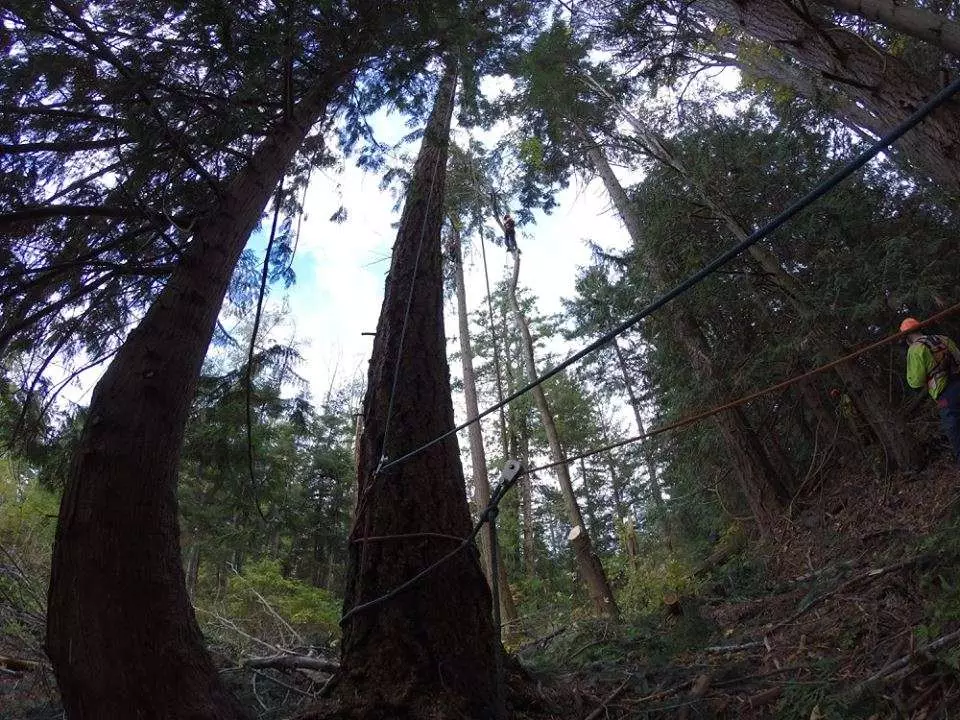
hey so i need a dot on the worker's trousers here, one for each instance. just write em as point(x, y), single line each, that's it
point(949, 404)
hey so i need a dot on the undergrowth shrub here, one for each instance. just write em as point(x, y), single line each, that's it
point(28, 519)
point(263, 610)
point(648, 580)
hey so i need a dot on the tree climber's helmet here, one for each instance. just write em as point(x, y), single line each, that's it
point(909, 324)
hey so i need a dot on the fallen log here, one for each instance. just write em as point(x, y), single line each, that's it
point(694, 698)
point(897, 666)
point(540, 642)
point(842, 587)
point(607, 700)
point(734, 648)
point(293, 662)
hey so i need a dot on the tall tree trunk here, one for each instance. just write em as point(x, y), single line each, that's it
point(919, 23)
point(497, 366)
point(431, 650)
point(880, 83)
point(526, 493)
point(478, 454)
point(520, 441)
point(764, 490)
point(121, 631)
point(591, 571)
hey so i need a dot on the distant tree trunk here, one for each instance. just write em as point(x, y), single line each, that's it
point(881, 84)
point(764, 491)
point(520, 440)
point(591, 571)
point(478, 454)
point(656, 493)
point(620, 508)
point(596, 527)
point(812, 401)
point(497, 366)
point(121, 631)
point(526, 492)
point(430, 651)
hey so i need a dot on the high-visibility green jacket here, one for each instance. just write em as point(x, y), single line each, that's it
point(931, 362)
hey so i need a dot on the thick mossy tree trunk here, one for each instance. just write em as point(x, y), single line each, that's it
point(879, 83)
point(765, 491)
point(121, 631)
point(588, 564)
point(429, 652)
point(478, 454)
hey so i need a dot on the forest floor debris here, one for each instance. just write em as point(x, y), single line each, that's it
point(856, 615)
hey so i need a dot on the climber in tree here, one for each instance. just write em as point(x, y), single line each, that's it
point(933, 362)
point(509, 233)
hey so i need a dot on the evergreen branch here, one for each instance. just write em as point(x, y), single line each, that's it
point(108, 55)
point(65, 146)
point(55, 111)
point(46, 212)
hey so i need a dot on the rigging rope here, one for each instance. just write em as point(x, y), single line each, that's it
point(693, 419)
point(489, 513)
point(264, 275)
point(821, 189)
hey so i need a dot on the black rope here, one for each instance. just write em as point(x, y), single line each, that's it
point(821, 189)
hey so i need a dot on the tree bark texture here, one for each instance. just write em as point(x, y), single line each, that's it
point(764, 490)
point(588, 563)
point(430, 651)
point(916, 22)
point(478, 454)
point(121, 631)
point(880, 83)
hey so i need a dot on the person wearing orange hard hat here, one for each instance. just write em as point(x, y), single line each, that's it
point(933, 362)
